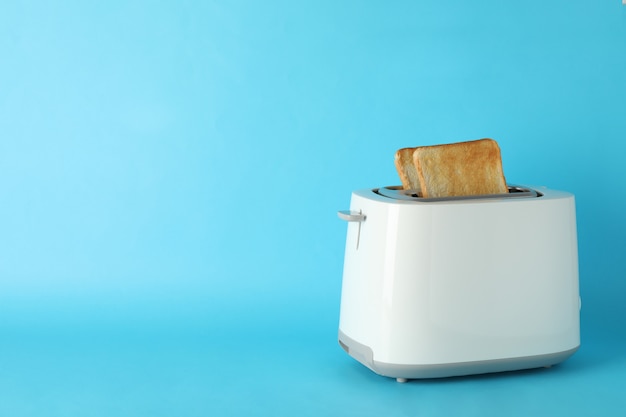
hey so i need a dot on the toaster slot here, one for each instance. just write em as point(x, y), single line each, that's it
point(396, 192)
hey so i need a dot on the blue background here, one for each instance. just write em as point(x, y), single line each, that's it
point(170, 173)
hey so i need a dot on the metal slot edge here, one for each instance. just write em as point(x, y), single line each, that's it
point(397, 193)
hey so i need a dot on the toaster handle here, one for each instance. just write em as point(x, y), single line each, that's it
point(351, 216)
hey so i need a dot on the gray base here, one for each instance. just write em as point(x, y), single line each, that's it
point(364, 354)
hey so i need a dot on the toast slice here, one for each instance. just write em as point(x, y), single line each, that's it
point(406, 169)
point(460, 169)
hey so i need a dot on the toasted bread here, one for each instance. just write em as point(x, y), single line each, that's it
point(406, 169)
point(457, 169)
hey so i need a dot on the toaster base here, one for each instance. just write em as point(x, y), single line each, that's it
point(402, 372)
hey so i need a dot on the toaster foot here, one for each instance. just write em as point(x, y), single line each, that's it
point(401, 380)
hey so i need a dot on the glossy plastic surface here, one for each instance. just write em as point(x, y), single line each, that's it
point(462, 281)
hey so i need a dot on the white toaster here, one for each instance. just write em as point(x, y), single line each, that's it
point(443, 287)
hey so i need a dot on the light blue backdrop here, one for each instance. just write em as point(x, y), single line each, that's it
point(177, 166)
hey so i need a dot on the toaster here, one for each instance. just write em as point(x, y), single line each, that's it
point(441, 287)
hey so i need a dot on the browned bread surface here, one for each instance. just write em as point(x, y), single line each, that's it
point(458, 169)
point(406, 169)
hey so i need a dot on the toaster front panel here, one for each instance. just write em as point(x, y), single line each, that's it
point(493, 280)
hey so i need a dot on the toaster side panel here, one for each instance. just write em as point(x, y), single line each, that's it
point(362, 270)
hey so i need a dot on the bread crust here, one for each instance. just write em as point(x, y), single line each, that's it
point(459, 169)
point(406, 169)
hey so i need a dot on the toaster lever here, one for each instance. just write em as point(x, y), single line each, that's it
point(351, 216)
